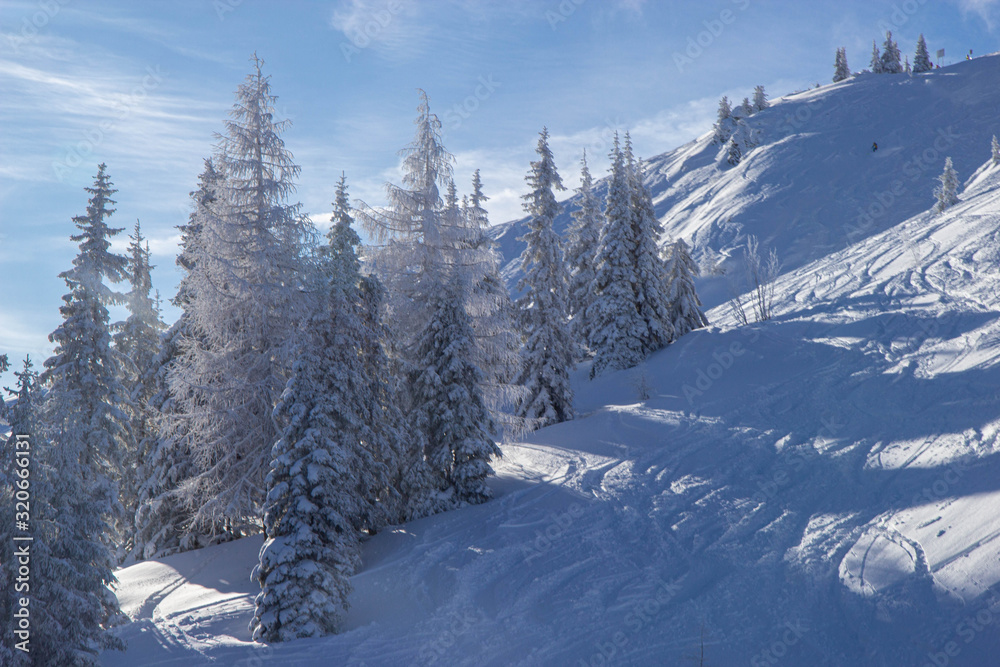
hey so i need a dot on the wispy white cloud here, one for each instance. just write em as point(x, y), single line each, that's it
point(985, 9)
point(391, 28)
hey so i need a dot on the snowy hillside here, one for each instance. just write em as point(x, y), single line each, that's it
point(820, 489)
point(803, 189)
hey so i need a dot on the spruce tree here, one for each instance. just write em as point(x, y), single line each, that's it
point(493, 316)
point(618, 330)
point(419, 243)
point(995, 150)
point(166, 454)
point(448, 403)
point(840, 67)
point(137, 339)
point(922, 60)
point(759, 99)
point(325, 481)
point(549, 349)
point(891, 63)
point(685, 306)
point(87, 433)
point(581, 255)
point(876, 63)
point(248, 302)
point(947, 192)
point(723, 126)
point(651, 299)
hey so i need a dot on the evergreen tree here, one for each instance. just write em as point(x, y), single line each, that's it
point(581, 255)
point(246, 279)
point(922, 60)
point(685, 306)
point(448, 404)
point(137, 339)
point(723, 126)
point(420, 241)
point(747, 108)
point(906, 66)
point(890, 56)
point(743, 140)
point(549, 350)
point(618, 330)
point(735, 153)
point(166, 453)
point(947, 192)
point(760, 99)
point(87, 432)
point(841, 70)
point(325, 481)
point(876, 63)
point(651, 299)
point(498, 343)
point(995, 150)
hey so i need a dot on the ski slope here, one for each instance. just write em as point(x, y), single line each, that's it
point(814, 186)
point(819, 489)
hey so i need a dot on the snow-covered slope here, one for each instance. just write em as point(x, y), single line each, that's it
point(820, 489)
point(814, 185)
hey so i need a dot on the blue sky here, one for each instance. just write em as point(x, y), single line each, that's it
point(143, 86)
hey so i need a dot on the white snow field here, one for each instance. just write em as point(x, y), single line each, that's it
point(819, 489)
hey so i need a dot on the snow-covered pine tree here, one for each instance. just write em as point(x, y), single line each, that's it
point(651, 299)
point(947, 192)
point(735, 153)
point(876, 63)
point(760, 99)
point(384, 429)
point(448, 403)
point(922, 59)
point(995, 150)
point(325, 482)
point(723, 127)
point(747, 108)
point(582, 241)
point(137, 339)
point(685, 306)
point(246, 308)
point(840, 69)
point(891, 63)
point(138, 336)
point(618, 330)
point(87, 432)
point(498, 342)
point(413, 263)
point(549, 349)
point(166, 455)
point(906, 66)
